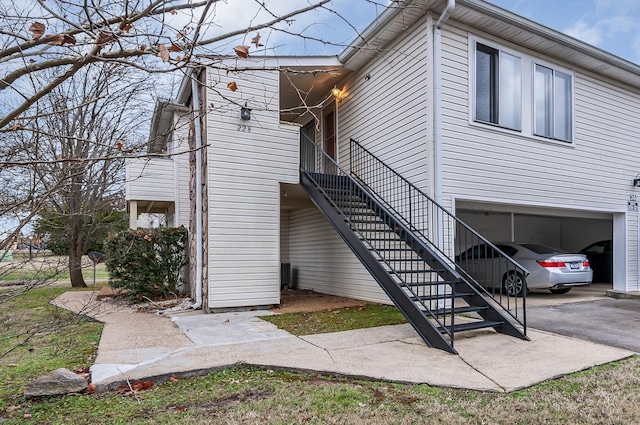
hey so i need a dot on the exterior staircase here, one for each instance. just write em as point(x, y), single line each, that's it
point(389, 236)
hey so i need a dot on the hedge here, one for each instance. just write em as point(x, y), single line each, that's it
point(147, 262)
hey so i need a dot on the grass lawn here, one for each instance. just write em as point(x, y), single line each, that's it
point(46, 266)
point(340, 319)
point(250, 395)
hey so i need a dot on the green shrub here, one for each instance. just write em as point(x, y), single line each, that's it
point(147, 262)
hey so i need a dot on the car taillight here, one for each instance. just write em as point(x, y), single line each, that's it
point(545, 263)
point(586, 264)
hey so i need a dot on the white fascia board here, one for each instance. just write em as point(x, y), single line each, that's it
point(270, 62)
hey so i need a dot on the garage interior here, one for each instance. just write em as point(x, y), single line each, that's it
point(569, 230)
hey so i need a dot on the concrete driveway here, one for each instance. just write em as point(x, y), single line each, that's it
point(586, 313)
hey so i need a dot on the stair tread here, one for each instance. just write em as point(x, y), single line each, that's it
point(480, 324)
point(458, 310)
point(434, 297)
point(425, 284)
point(400, 271)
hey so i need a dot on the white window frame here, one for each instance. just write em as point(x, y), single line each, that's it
point(528, 64)
point(473, 75)
point(555, 69)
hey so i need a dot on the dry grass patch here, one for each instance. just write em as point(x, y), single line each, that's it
point(338, 319)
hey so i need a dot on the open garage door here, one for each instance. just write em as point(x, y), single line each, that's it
point(569, 230)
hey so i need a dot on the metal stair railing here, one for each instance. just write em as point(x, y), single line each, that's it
point(420, 288)
point(476, 259)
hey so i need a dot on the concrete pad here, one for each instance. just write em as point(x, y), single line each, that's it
point(361, 337)
point(137, 346)
point(228, 328)
point(210, 357)
point(102, 372)
point(398, 361)
point(514, 363)
point(131, 356)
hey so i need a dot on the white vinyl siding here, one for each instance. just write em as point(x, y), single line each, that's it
point(150, 179)
point(322, 262)
point(180, 146)
point(594, 173)
point(245, 170)
point(387, 106)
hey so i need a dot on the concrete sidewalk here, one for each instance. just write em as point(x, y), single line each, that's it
point(137, 346)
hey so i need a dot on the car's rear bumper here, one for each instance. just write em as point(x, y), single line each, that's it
point(558, 279)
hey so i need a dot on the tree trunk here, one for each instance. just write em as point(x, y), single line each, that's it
point(76, 226)
point(75, 268)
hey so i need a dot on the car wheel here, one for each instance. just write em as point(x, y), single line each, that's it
point(514, 285)
point(559, 290)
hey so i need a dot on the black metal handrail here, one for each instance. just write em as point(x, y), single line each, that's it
point(377, 227)
point(478, 260)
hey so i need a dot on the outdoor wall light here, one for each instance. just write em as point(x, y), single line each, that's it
point(336, 92)
point(245, 113)
point(636, 182)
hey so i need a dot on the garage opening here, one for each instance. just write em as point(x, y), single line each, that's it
point(572, 231)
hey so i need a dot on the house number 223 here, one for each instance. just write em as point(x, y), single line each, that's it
point(244, 128)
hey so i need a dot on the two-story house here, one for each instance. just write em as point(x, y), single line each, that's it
point(519, 131)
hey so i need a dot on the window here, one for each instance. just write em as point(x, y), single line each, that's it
point(552, 100)
point(498, 87)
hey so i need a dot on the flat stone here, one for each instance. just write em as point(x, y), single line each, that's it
point(60, 381)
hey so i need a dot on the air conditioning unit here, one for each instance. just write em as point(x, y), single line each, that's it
point(285, 276)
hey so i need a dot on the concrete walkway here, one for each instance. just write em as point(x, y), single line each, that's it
point(137, 346)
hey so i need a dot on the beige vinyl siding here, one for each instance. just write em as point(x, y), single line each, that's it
point(593, 173)
point(321, 261)
point(245, 170)
point(389, 111)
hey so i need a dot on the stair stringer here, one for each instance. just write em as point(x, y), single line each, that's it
point(423, 326)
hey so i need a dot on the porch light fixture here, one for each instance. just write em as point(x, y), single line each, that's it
point(636, 181)
point(336, 92)
point(245, 113)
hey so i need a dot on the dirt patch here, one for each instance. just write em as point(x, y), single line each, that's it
point(302, 301)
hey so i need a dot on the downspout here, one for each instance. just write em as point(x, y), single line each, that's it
point(198, 130)
point(437, 99)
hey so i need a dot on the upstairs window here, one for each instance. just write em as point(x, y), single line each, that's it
point(498, 87)
point(553, 104)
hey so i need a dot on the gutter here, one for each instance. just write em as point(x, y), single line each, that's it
point(198, 130)
point(437, 99)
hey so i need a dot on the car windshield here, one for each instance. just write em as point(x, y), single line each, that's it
point(541, 249)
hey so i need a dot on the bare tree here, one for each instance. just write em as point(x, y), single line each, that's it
point(48, 47)
point(70, 154)
point(156, 35)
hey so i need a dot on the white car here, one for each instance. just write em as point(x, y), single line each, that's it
point(549, 268)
